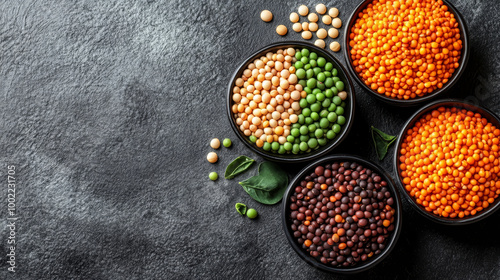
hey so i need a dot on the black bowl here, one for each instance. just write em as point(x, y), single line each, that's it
point(349, 109)
point(464, 34)
point(361, 266)
point(491, 117)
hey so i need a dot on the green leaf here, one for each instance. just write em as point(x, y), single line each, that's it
point(382, 141)
point(241, 208)
point(238, 166)
point(269, 186)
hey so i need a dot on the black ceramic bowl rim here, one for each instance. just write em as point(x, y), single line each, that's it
point(464, 58)
point(363, 266)
point(485, 113)
point(349, 110)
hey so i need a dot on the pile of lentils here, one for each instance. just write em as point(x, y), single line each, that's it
point(342, 213)
point(290, 101)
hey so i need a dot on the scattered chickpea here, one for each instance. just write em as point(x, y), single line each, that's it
point(333, 12)
point(306, 35)
point(333, 32)
point(337, 23)
point(321, 33)
point(320, 43)
point(335, 46)
point(313, 27)
point(297, 27)
point(294, 17)
point(305, 26)
point(266, 15)
point(312, 17)
point(326, 19)
point(281, 30)
point(215, 143)
point(303, 10)
point(321, 9)
point(212, 157)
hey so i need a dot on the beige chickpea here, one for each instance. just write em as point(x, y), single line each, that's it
point(281, 30)
point(312, 17)
point(321, 9)
point(342, 95)
point(303, 10)
point(319, 43)
point(321, 33)
point(305, 26)
point(333, 12)
point(326, 19)
point(337, 23)
point(313, 26)
point(212, 157)
point(215, 143)
point(335, 46)
point(333, 32)
point(306, 35)
point(294, 17)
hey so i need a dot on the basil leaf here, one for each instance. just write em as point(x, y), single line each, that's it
point(269, 186)
point(237, 166)
point(382, 141)
point(241, 208)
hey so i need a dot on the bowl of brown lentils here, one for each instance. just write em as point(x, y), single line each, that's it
point(342, 214)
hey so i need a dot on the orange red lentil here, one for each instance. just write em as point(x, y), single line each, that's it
point(405, 49)
point(449, 162)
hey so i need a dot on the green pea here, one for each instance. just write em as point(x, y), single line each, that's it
point(295, 148)
point(312, 127)
point(327, 74)
point(332, 117)
point(326, 103)
point(316, 107)
point(308, 120)
point(313, 55)
point(339, 85)
point(328, 65)
point(290, 138)
point(295, 125)
point(341, 120)
point(275, 146)
point(336, 128)
point(298, 64)
point(322, 141)
point(297, 141)
point(295, 132)
point(252, 138)
point(335, 72)
point(314, 116)
point(303, 146)
point(321, 85)
point(298, 55)
point(329, 82)
point(267, 146)
point(213, 176)
point(313, 63)
point(312, 143)
point(306, 112)
point(227, 142)
point(309, 73)
point(303, 103)
point(336, 79)
point(311, 98)
point(301, 73)
point(335, 90)
point(303, 138)
point(303, 130)
point(337, 100)
point(302, 119)
point(318, 133)
point(316, 70)
point(316, 91)
point(305, 52)
point(323, 113)
point(302, 83)
point(288, 146)
point(304, 60)
point(320, 96)
point(311, 135)
point(332, 107)
point(330, 134)
point(339, 111)
point(311, 83)
point(328, 93)
point(252, 213)
point(324, 123)
point(281, 150)
point(343, 104)
point(321, 61)
point(321, 77)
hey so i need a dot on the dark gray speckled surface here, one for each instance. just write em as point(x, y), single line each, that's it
point(107, 111)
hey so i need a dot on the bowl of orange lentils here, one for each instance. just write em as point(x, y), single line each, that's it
point(448, 162)
point(406, 52)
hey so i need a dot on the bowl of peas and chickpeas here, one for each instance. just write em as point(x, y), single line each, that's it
point(291, 102)
point(407, 52)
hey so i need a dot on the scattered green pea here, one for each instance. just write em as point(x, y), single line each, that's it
point(252, 213)
point(227, 143)
point(213, 176)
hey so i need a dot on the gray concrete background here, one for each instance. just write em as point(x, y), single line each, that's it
point(107, 111)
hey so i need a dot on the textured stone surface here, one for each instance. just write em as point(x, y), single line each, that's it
point(107, 112)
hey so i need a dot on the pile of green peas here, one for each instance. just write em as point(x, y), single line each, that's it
point(322, 111)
